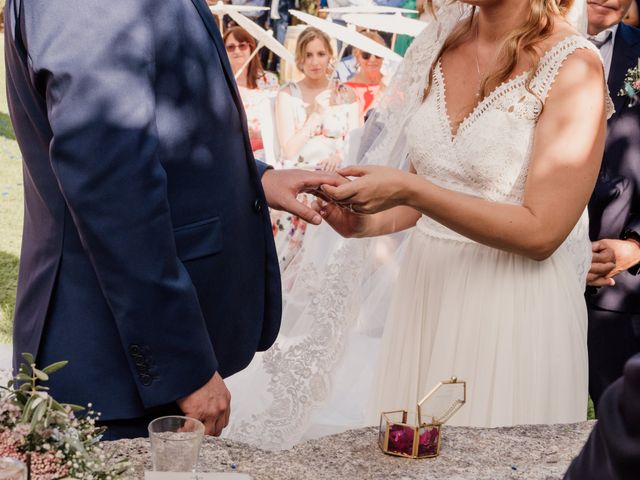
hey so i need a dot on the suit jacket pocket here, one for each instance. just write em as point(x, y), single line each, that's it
point(199, 239)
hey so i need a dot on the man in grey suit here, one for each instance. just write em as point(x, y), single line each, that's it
point(147, 259)
point(613, 298)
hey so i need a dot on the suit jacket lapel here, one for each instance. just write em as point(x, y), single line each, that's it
point(625, 56)
point(214, 32)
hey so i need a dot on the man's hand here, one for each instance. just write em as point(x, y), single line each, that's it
point(281, 188)
point(627, 254)
point(210, 404)
point(603, 262)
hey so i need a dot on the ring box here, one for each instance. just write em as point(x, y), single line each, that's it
point(418, 434)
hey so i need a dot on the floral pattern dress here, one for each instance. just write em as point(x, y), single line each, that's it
point(257, 106)
point(329, 138)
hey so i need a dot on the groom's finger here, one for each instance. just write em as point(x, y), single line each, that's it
point(313, 180)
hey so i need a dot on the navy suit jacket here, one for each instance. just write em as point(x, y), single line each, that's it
point(613, 449)
point(614, 208)
point(147, 260)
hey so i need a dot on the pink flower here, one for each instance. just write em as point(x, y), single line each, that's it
point(46, 466)
point(636, 84)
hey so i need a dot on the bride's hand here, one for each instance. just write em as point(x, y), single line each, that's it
point(345, 222)
point(374, 189)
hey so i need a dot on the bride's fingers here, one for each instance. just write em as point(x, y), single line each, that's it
point(342, 193)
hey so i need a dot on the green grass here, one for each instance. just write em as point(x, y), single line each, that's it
point(11, 207)
point(6, 130)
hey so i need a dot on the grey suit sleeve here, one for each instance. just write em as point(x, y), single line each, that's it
point(94, 63)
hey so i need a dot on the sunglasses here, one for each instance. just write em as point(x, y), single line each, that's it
point(231, 47)
point(367, 56)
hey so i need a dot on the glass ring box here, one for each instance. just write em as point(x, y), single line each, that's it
point(417, 434)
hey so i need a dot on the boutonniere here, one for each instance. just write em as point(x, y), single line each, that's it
point(631, 87)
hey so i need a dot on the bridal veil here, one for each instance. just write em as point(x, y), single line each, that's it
point(317, 377)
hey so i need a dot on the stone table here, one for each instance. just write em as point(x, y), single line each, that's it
point(541, 452)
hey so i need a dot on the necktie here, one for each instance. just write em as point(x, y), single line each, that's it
point(601, 39)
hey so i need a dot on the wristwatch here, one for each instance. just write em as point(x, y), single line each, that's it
point(632, 235)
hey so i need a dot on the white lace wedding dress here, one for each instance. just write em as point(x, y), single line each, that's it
point(513, 328)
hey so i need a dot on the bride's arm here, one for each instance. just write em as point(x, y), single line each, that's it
point(567, 151)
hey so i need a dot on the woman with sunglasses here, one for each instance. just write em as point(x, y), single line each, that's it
point(313, 118)
point(256, 85)
point(367, 81)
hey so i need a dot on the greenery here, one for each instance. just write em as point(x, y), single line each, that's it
point(11, 208)
point(51, 437)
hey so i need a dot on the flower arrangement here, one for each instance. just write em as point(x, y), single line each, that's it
point(52, 438)
point(631, 87)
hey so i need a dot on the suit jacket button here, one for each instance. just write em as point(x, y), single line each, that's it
point(145, 379)
point(257, 205)
point(134, 350)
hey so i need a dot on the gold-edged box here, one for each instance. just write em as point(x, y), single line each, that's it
point(418, 434)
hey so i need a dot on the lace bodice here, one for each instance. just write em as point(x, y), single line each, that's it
point(488, 156)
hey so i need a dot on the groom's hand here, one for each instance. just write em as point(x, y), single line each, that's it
point(281, 188)
point(210, 404)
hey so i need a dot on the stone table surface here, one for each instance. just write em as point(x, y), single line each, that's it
point(526, 452)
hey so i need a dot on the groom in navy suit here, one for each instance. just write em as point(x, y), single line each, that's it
point(614, 209)
point(147, 260)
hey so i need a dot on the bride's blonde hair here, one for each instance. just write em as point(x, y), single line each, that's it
point(523, 40)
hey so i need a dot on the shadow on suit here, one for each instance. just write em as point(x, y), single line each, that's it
point(614, 209)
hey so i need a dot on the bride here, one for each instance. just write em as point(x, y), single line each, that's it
point(503, 150)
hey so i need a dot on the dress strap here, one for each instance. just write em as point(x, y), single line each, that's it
point(552, 61)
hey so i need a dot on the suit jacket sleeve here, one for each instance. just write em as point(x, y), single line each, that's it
point(613, 449)
point(633, 225)
point(94, 64)
point(262, 167)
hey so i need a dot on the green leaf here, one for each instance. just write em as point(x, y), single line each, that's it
point(21, 398)
point(23, 377)
point(26, 411)
point(38, 414)
point(28, 357)
point(40, 374)
point(25, 388)
point(54, 367)
point(74, 408)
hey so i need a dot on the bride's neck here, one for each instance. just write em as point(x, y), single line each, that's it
point(497, 20)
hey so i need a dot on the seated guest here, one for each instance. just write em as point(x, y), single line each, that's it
point(367, 81)
point(313, 118)
point(256, 86)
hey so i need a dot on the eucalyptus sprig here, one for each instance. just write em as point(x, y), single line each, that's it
point(50, 435)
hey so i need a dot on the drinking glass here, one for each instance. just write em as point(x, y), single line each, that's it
point(12, 469)
point(175, 443)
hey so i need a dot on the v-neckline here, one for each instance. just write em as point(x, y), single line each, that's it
point(476, 111)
